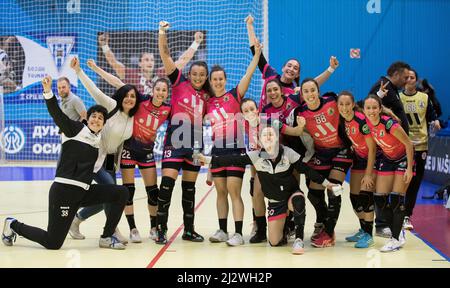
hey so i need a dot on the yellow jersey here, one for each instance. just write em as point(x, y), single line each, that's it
point(416, 107)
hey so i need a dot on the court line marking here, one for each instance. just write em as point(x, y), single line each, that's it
point(175, 234)
point(447, 258)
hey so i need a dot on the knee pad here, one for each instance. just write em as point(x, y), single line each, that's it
point(131, 190)
point(165, 193)
point(355, 202)
point(298, 203)
point(152, 195)
point(366, 201)
point(381, 200)
point(252, 185)
point(397, 202)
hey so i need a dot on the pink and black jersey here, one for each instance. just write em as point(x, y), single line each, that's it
point(357, 131)
point(147, 120)
point(391, 147)
point(222, 112)
point(290, 102)
point(186, 102)
point(322, 124)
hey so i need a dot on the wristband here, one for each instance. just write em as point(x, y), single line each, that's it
point(48, 95)
point(105, 48)
point(380, 94)
point(194, 45)
point(330, 69)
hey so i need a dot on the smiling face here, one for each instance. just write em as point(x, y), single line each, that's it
point(129, 101)
point(160, 92)
point(346, 106)
point(218, 82)
point(310, 93)
point(147, 62)
point(96, 121)
point(372, 110)
point(291, 70)
point(198, 76)
point(412, 81)
point(250, 113)
point(274, 93)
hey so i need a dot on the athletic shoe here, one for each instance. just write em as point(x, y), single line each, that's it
point(120, 237)
point(365, 241)
point(219, 236)
point(258, 238)
point(111, 242)
point(192, 236)
point(161, 237)
point(74, 230)
point(153, 234)
point(298, 248)
point(290, 228)
point(135, 237)
point(407, 224)
point(254, 229)
point(8, 234)
point(391, 245)
point(324, 240)
point(235, 240)
point(355, 237)
point(402, 238)
point(318, 228)
point(384, 232)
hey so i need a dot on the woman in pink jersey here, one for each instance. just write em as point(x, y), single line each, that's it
point(332, 159)
point(291, 70)
point(362, 177)
point(184, 135)
point(395, 166)
point(223, 114)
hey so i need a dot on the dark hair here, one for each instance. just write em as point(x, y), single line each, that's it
point(384, 111)
point(350, 94)
point(397, 67)
point(120, 94)
point(297, 79)
point(206, 87)
point(341, 127)
point(415, 73)
point(310, 80)
point(245, 100)
point(64, 79)
point(217, 68)
point(99, 109)
point(274, 80)
point(163, 80)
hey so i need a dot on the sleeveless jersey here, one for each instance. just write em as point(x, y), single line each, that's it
point(357, 131)
point(391, 147)
point(416, 107)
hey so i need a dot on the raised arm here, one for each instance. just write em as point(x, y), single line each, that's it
point(99, 97)
point(325, 75)
point(103, 40)
point(69, 127)
point(245, 81)
point(164, 52)
point(108, 77)
point(252, 40)
point(190, 52)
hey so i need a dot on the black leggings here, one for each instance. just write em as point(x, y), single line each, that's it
point(413, 188)
point(63, 203)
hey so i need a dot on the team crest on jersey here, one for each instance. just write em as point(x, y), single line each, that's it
point(288, 106)
point(226, 98)
point(165, 112)
point(217, 105)
point(366, 129)
point(185, 100)
point(330, 111)
point(381, 133)
point(141, 121)
point(421, 104)
point(389, 124)
point(60, 47)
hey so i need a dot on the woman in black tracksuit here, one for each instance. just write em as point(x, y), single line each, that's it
point(72, 185)
point(274, 165)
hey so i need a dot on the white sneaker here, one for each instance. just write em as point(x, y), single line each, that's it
point(298, 248)
point(219, 236)
point(153, 233)
point(134, 236)
point(391, 245)
point(235, 240)
point(74, 230)
point(120, 237)
point(8, 234)
point(402, 238)
point(254, 229)
point(407, 224)
point(383, 232)
point(111, 242)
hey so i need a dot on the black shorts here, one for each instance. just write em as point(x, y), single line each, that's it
point(277, 210)
point(131, 158)
point(178, 159)
point(359, 164)
point(227, 171)
point(385, 166)
point(339, 159)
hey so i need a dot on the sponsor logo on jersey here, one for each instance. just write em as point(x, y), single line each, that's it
point(382, 133)
point(421, 104)
point(226, 98)
point(366, 129)
point(389, 123)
